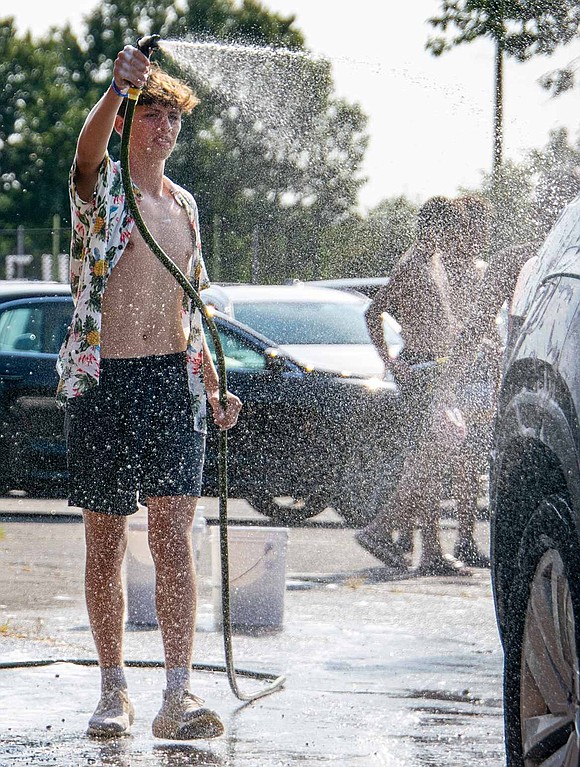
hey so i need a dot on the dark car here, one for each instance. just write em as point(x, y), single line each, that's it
point(306, 438)
point(34, 317)
point(535, 507)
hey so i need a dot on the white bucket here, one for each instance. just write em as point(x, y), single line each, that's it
point(257, 565)
point(140, 570)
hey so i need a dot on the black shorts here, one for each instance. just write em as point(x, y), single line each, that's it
point(133, 436)
point(416, 406)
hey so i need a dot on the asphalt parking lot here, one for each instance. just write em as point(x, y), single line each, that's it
point(381, 669)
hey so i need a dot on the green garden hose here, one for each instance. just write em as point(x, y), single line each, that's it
point(146, 45)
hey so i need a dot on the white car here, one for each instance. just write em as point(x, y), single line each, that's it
point(318, 326)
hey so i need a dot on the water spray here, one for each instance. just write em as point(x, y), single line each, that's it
point(147, 45)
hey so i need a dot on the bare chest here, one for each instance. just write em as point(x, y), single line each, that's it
point(167, 224)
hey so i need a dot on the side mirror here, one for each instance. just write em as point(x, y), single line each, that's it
point(275, 362)
point(27, 342)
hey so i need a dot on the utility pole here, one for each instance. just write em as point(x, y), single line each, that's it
point(498, 108)
point(499, 35)
point(20, 240)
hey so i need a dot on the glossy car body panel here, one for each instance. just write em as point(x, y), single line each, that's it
point(537, 436)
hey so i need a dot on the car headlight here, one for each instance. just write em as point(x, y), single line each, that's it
point(374, 384)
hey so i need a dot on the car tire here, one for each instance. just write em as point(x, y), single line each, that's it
point(285, 510)
point(357, 514)
point(541, 680)
point(359, 502)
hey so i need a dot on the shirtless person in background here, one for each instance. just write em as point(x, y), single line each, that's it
point(475, 392)
point(418, 296)
point(134, 372)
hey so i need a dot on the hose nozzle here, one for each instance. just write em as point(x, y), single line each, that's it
point(148, 43)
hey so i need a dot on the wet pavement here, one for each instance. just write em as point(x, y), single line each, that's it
point(384, 671)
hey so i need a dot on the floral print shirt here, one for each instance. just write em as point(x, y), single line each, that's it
point(101, 229)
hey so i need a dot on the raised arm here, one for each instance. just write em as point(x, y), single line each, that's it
point(131, 68)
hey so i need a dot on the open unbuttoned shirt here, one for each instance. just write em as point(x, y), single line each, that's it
point(101, 229)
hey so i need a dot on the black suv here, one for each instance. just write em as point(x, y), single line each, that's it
point(535, 507)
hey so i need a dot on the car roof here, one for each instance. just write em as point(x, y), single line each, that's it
point(560, 249)
point(287, 293)
point(350, 282)
point(11, 290)
point(366, 286)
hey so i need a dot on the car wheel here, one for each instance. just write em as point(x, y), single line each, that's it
point(359, 503)
point(357, 514)
point(541, 685)
point(287, 510)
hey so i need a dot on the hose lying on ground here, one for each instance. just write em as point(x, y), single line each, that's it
point(9, 665)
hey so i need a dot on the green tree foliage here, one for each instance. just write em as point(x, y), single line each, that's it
point(528, 196)
point(510, 190)
point(369, 246)
point(41, 111)
point(525, 29)
point(557, 170)
point(115, 23)
point(518, 29)
point(559, 81)
point(265, 204)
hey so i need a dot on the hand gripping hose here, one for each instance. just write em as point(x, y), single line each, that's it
point(146, 45)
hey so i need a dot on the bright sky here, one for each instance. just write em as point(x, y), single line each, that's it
point(430, 120)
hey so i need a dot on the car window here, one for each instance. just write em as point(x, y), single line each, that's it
point(238, 355)
point(297, 322)
point(34, 327)
point(21, 329)
point(57, 318)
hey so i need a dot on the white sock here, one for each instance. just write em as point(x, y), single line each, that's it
point(177, 678)
point(113, 678)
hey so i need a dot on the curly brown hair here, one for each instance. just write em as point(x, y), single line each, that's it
point(475, 209)
point(162, 88)
point(438, 216)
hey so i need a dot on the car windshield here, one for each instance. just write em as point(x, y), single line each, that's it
point(301, 322)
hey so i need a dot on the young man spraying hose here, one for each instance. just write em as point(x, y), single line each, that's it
point(135, 370)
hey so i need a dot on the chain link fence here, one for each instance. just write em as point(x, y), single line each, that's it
point(35, 254)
